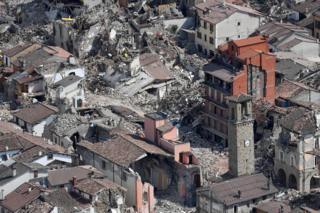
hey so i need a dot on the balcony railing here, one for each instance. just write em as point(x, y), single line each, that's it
point(226, 91)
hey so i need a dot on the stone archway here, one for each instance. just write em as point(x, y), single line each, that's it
point(314, 182)
point(292, 182)
point(282, 177)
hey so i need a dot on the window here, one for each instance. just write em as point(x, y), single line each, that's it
point(205, 25)
point(239, 36)
point(35, 173)
point(103, 164)
point(281, 155)
point(145, 196)
point(238, 23)
point(205, 37)
point(50, 156)
point(232, 114)
point(235, 209)
point(215, 110)
point(211, 27)
point(199, 35)
point(227, 39)
point(211, 40)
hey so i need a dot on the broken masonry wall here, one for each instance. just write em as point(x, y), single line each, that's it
point(155, 170)
point(145, 197)
point(113, 172)
point(189, 179)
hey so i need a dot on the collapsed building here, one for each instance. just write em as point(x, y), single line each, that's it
point(152, 164)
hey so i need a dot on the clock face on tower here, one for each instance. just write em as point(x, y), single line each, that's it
point(246, 143)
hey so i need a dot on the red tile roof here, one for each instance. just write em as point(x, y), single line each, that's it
point(15, 50)
point(57, 51)
point(92, 185)
point(6, 127)
point(249, 41)
point(22, 196)
point(35, 113)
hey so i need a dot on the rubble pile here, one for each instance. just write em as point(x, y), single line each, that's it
point(213, 158)
point(66, 122)
point(166, 205)
point(5, 114)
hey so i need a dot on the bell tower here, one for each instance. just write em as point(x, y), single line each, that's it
point(240, 135)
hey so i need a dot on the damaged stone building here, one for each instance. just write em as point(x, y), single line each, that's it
point(297, 150)
point(156, 163)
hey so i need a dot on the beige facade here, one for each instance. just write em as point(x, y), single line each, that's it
point(296, 155)
point(218, 24)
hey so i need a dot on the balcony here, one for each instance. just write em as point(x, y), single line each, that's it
point(223, 89)
point(218, 103)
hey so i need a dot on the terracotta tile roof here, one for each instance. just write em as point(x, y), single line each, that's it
point(31, 154)
point(92, 186)
point(58, 51)
point(63, 200)
point(219, 11)
point(118, 150)
point(289, 89)
point(35, 113)
point(15, 50)
point(250, 41)
point(21, 197)
point(147, 147)
point(28, 78)
point(11, 141)
point(274, 206)
point(251, 187)
point(300, 120)
point(6, 127)
point(63, 176)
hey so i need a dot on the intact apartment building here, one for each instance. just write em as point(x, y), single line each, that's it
point(244, 66)
point(218, 23)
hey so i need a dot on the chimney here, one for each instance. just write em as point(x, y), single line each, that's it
point(90, 175)
point(29, 189)
point(239, 193)
point(40, 153)
point(74, 181)
point(2, 194)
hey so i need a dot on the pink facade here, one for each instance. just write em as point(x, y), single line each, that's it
point(145, 201)
point(171, 135)
point(168, 140)
point(150, 127)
